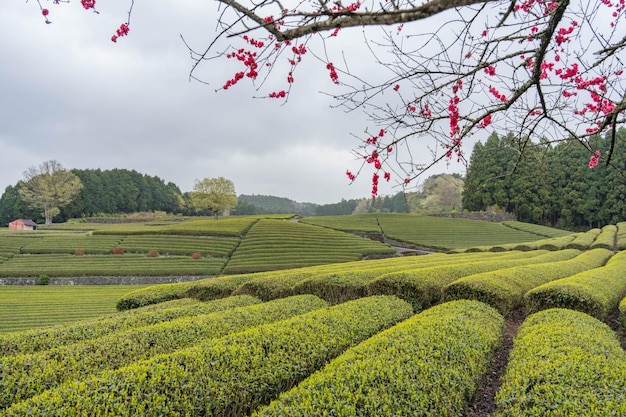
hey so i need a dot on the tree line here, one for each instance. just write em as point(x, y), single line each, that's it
point(549, 184)
point(101, 192)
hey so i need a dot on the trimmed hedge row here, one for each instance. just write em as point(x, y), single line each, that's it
point(52, 337)
point(423, 288)
point(583, 241)
point(276, 284)
point(154, 294)
point(24, 376)
point(535, 228)
point(180, 245)
point(64, 265)
point(338, 287)
point(275, 244)
point(68, 243)
point(505, 289)
point(564, 363)
point(230, 376)
point(606, 239)
point(596, 292)
point(428, 365)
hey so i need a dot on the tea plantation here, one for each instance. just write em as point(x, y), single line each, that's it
point(324, 336)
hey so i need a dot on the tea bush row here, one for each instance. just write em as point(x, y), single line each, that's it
point(423, 288)
point(428, 365)
point(504, 289)
point(596, 292)
point(536, 229)
point(276, 284)
point(180, 245)
point(584, 240)
point(564, 363)
point(229, 376)
point(340, 286)
point(606, 238)
point(279, 244)
point(70, 242)
point(448, 233)
point(349, 279)
point(58, 265)
point(24, 307)
point(24, 376)
point(52, 337)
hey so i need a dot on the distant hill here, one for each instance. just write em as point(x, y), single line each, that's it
point(269, 204)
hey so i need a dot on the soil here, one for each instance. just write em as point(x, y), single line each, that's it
point(484, 400)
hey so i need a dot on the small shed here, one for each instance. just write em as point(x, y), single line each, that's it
point(22, 224)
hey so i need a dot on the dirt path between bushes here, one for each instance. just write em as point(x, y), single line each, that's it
point(484, 401)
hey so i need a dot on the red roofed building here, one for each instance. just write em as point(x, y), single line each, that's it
point(22, 224)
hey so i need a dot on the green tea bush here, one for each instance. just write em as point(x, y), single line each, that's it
point(606, 239)
point(153, 295)
point(341, 282)
point(24, 376)
point(428, 365)
point(583, 241)
point(504, 289)
point(563, 363)
point(596, 292)
point(230, 376)
point(52, 337)
point(536, 229)
point(423, 287)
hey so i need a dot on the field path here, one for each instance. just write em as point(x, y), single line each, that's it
point(484, 403)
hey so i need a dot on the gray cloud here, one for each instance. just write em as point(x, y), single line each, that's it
point(70, 94)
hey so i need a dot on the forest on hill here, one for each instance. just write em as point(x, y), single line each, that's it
point(552, 185)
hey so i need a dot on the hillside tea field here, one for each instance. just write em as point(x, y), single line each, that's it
point(403, 336)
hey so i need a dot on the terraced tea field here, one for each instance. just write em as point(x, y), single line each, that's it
point(32, 306)
point(403, 336)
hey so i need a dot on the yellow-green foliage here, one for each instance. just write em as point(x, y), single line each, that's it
point(555, 243)
point(596, 292)
point(278, 244)
point(428, 365)
point(66, 265)
point(606, 239)
point(153, 295)
point(180, 245)
point(583, 241)
point(230, 376)
point(50, 337)
point(505, 289)
point(564, 363)
point(276, 284)
point(353, 223)
point(67, 243)
point(26, 375)
point(535, 229)
point(24, 307)
point(423, 287)
point(622, 313)
point(620, 238)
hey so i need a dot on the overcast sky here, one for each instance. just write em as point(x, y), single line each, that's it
point(68, 93)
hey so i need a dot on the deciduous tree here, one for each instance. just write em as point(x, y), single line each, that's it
point(49, 187)
point(215, 194)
